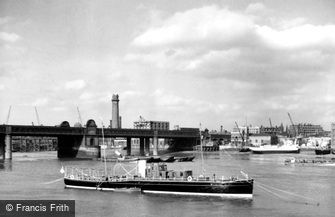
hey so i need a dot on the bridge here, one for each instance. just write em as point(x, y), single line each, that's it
point(84, 142)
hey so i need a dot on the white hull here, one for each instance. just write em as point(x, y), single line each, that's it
point(274, 149)
point(236, 196)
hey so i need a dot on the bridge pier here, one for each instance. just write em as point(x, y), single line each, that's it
point(128, 146)
point(155, 143)
point(2, 147)
point(68, 146)
point(141, 146)
point(147, 146)
point(8, 147)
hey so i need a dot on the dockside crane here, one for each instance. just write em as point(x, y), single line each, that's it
point(37, 117)
point(270, 122)
point(295, 132)
point(8, 115)
point(241, 134)
point(79, 117)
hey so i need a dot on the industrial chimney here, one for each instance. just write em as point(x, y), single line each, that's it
point(115, 112)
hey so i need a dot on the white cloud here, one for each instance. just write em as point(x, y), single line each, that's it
point(204, 25)
point(75, 85)
point(298, 37)
point(40, 102)
point(86, 96)
point(255, 8)
point(9, 37)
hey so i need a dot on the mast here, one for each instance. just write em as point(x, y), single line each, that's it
point(103, 146)
point(202, 155)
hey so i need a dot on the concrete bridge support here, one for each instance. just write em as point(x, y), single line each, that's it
point(68, 146)
point(128, 146)
point(147, 146)
point(8, 147)
point(2, 147)
point(155, 144)
point(141, 146)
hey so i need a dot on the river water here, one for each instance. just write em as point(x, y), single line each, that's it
point(279, 190)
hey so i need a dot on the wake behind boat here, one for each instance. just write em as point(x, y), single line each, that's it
point(156, 178)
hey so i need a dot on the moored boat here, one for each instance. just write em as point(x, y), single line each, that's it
point(284, 147)
point(275, 149)
point(322, 151)
point(323, 146)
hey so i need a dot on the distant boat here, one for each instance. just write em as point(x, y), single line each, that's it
point(183, 159)
point(161, 159)
point(323, 147)
point(322, 151)
point(244, 149)
point(275, 149)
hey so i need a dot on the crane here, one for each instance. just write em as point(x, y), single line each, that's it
point(242, 135)
point(8, 115)
point(270, 122)
point(295, 132)
point(79, 117)
point(37, 116)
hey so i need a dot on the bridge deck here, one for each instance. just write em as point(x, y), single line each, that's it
point(25, 130)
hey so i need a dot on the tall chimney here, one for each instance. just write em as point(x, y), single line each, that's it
point(115, 111)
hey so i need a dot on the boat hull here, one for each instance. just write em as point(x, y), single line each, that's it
point(322, 151)
point(229, 188)
point(275, 151)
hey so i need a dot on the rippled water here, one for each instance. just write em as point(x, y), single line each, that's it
point(280, 190)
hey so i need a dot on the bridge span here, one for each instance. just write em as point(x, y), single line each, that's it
point(84, 142)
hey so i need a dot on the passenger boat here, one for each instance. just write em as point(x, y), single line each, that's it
point(275, 149)
point(286, 146)
point(156, 178)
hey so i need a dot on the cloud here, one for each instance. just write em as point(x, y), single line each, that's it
point(205, 25)
point(213, 42)
point(9, 37)
point(303, 36)
point(75, 85)
point(4, 20)
point(41, 102)
point(172, 102)
point(251, 55)
point(255, 8)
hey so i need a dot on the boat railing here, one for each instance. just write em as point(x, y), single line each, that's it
point(91, 174)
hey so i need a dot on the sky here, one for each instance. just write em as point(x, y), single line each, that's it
point(186, 62)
